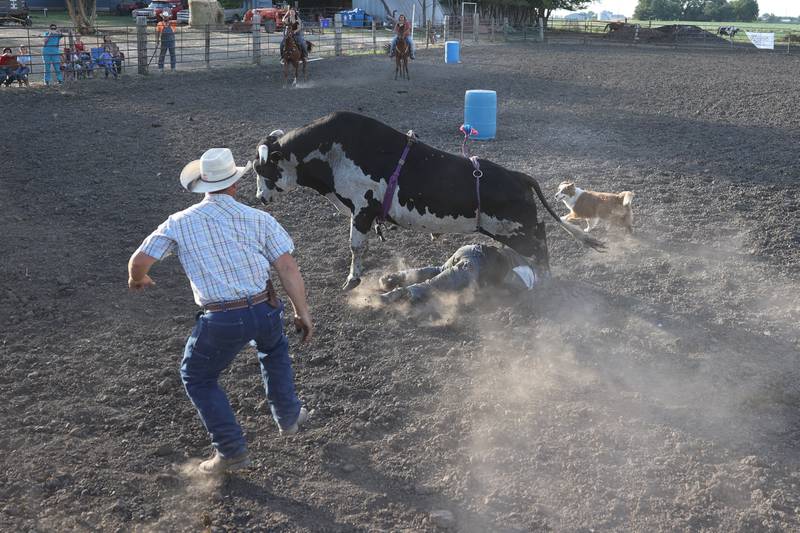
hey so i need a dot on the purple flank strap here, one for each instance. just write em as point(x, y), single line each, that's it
point(392, 186)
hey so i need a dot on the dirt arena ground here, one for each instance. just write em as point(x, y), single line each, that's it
point(650, 388)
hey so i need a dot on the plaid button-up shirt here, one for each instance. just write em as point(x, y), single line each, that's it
point(225, 247)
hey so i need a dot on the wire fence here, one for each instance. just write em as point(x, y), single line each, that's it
point(136, 49)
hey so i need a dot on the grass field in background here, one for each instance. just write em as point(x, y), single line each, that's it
point(749, 26)
point(62, 19)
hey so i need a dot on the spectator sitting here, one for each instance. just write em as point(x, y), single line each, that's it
point(86, 63)
point(24, 66)
point(112, 48)
point(8, 64)
point(70, 64)
point(79, 46)
point(107, 62)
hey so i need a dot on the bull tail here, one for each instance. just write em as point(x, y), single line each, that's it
point(577, 233)
point(627, 198)
point(309, 45)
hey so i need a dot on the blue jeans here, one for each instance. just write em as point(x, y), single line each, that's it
point(410, 42)
point(459, 272)
point(214, 343)
point(167, 44)
point(52, 58)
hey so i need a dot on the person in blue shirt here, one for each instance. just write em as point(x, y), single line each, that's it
point(24, 61)
point(51, 54)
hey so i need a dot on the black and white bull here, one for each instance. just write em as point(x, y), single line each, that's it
point(348, 158)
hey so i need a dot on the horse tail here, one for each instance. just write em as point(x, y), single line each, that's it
point(576, 233)
point(309, 45)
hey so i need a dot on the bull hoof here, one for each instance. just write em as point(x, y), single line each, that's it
point(351, 284)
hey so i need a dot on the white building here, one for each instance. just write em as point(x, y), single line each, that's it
point(377, 9)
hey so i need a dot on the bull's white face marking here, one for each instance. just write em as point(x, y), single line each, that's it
point(268, 190)
point(352, 183)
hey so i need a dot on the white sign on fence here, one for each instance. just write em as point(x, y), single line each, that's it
point(762, 40)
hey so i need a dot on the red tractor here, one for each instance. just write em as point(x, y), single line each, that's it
point(271, 17)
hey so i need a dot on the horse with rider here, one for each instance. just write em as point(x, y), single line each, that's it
point(294, 29)
point(402, 30)
point(294, 47)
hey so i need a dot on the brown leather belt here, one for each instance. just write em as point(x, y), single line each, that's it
point(267, 295)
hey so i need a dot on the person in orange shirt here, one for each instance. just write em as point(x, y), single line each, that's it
point(165, 32)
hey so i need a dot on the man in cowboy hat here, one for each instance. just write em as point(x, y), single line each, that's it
point(165, 35)
point(226, 249)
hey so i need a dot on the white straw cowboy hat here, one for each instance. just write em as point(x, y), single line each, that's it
point(214, 171)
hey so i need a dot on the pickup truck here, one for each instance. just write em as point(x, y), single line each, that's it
point(153, 11)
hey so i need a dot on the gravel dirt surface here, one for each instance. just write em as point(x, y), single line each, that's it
point(650, 388)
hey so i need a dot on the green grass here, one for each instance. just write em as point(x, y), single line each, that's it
point(62, 19)
point(776, 27)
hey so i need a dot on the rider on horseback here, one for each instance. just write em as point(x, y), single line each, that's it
point(403, 29)
point(294, 26)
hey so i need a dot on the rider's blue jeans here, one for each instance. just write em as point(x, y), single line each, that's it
point(410, 42)
point(214, 343)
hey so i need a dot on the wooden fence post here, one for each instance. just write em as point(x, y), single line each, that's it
point(446, 26)
point(141, 44)
point(337, 34)
point(208, 46)
point(475, 26)
point(256, 33)
point(541, 29)
point(374, 39)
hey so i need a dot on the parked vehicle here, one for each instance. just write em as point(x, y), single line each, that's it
point(156, 8)
point(127, 7)
point(271, 17)
point(14, 11)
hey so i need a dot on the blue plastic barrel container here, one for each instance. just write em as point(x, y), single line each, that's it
point(452, 52)
point(480, 111)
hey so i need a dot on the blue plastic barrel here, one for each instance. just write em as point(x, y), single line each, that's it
point(452, 52)
point(480, 111)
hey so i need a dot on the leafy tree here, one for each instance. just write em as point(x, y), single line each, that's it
point(693, 10)
point(745, 10)
point(83, 14)
point(659, 9)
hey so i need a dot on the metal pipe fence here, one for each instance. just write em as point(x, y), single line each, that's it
point(136, 47)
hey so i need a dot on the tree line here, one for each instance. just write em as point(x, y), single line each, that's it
point(517, 11)
point(700, 10)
